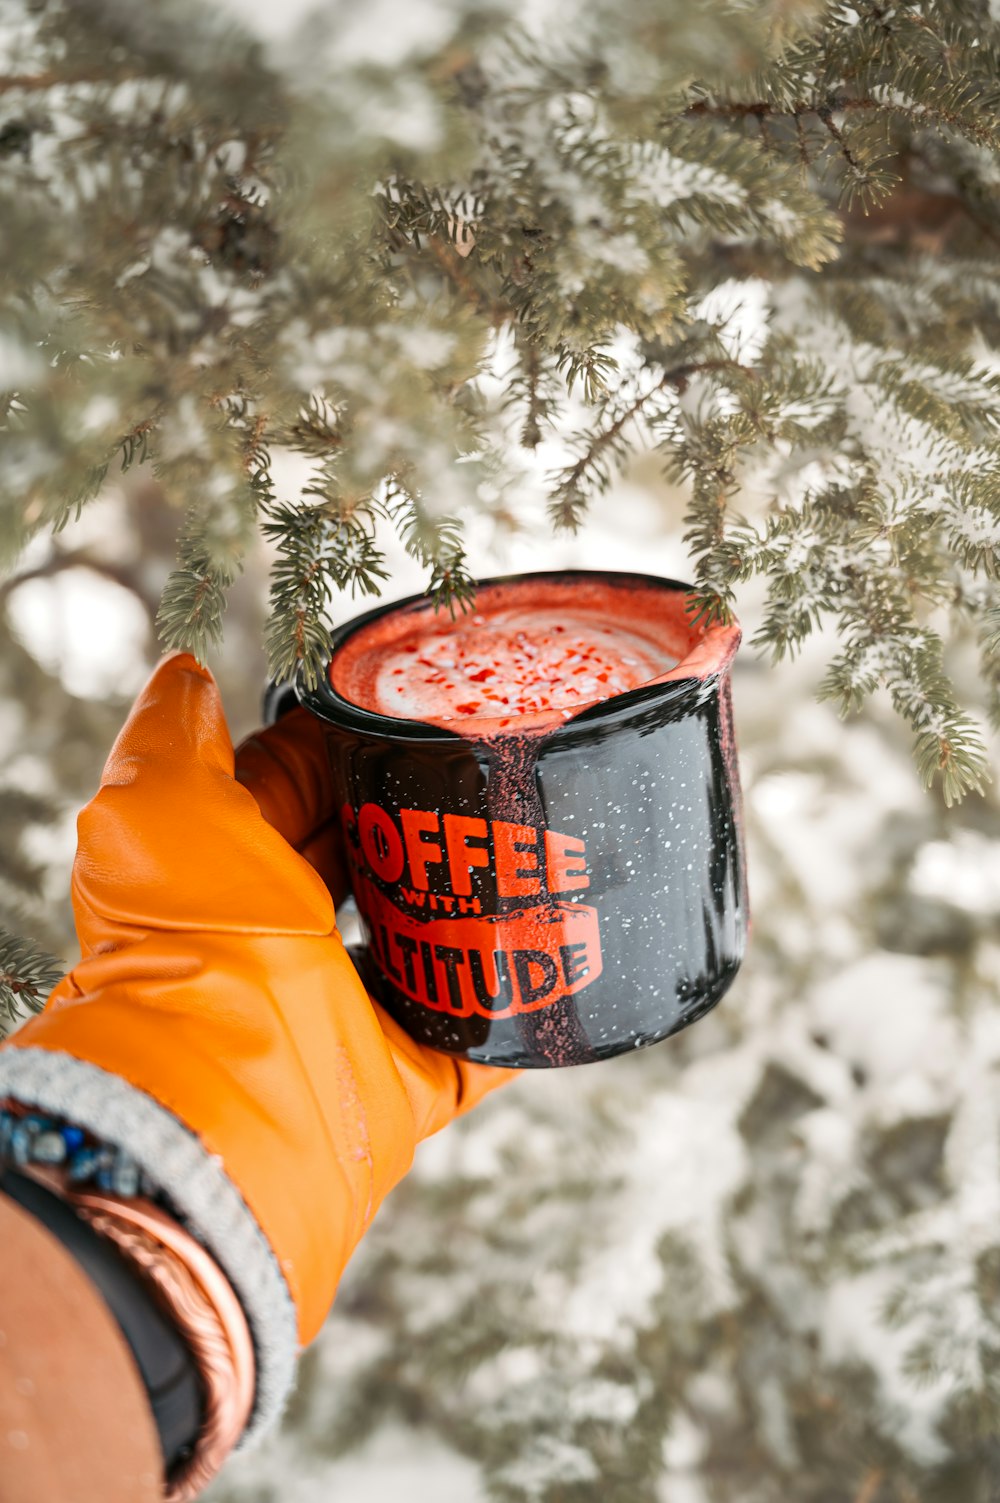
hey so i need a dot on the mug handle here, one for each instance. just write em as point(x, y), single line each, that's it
point(278, 700)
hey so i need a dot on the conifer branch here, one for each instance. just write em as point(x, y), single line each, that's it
point(193, 604)
point(592, 472)
point(27, 975)
point(231, 307)
point(568, 500)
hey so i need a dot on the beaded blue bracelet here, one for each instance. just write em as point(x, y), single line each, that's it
point(34, 1139)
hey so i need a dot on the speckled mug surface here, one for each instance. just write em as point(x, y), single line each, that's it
point(556, 892)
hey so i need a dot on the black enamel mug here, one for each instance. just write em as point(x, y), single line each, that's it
point(557, 893)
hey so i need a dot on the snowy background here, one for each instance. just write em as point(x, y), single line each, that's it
point(759, 1263)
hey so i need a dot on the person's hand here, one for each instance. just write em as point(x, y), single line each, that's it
point(260, 1075)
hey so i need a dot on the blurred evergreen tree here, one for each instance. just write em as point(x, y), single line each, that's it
point(423, 247)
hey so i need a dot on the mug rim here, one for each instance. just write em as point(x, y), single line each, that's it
point(680, 690)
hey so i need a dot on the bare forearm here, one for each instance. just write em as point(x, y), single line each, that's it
point(74, 1420)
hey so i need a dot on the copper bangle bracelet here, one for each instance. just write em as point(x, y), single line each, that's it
point(197, 1296)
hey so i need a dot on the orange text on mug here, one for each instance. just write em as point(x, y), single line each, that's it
point(465, 961)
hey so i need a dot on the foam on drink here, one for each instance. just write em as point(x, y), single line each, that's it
point(529, 651)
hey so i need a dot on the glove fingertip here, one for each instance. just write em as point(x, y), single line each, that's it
point(176, 664)
point(177, 722)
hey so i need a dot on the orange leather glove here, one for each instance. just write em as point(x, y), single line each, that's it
point(215, 1024)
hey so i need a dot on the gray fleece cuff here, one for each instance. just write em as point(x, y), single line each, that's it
point(198, 1186)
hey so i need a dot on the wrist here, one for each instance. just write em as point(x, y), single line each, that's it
point(164, 1362)
point(175, 1308)
point(74, 1419)
point(196, 1187)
